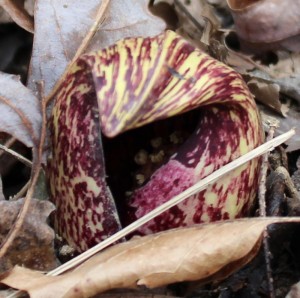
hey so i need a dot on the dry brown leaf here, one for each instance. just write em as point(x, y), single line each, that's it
point(201, 253)
point(285, 123)
point(33, 247)
point(289, 85)
point(197, 21)
point(265, 21)
point(282, 78)
point(20, 111)
point(241, 63)
point(16, 10)
point(267, 93)
point(62, 25)
point(287, 73)
point(288, 65)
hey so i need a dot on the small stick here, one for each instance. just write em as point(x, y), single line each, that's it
point(262, 210)
point(199, 26)
point(270, 145)
point(21, 193)
point(19, 157)
point(187, 193)
point(8, 144)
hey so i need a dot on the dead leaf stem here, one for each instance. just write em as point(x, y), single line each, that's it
point(262, 210)
point(21, 193)
point(199, 26)
point(8, 144)
point(7, 242)
point(18, 156)
point(36, 167)
point(263, 175)
point(83, 46)
point(201, 185)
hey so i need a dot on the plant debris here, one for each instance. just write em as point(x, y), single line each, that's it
point(258, 39)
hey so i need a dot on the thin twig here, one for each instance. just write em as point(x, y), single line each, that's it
point(7, 242)
point(255, 64)
point(21, 193)
point(8, 144)
point(182, 8)
point(83, 46)
point(245, 57)
point(201, 185)
point(262, 210)
point(263, 175)
point(19, 157)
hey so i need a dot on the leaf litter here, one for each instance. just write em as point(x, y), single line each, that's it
point(68, 24)
point(41, 68)
point(204, 252)
point(20, 110)
point(34, 246)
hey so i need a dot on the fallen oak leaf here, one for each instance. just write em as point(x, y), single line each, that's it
point(20, 111)
point(33, 247)
point(185, 254)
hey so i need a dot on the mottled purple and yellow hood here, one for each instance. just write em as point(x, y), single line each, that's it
point(127, 85)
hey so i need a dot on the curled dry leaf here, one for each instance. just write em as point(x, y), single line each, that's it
point(20, 111)
point(66, 23)
point(265, 21)
point(204, 252)
point(267, 93)
point(34, 245)
point(17, 11)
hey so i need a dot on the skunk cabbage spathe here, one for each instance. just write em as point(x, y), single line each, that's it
point(130, 84)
